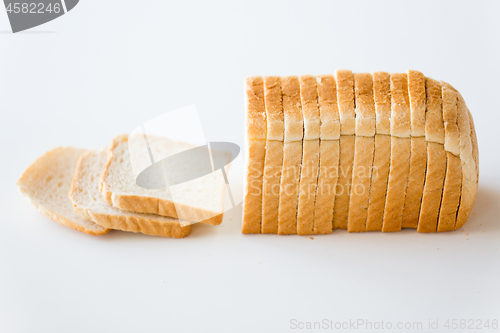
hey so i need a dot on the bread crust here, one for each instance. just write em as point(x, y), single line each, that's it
point(416, 91)
point(382, 98)
point(329, 110)
point(434, 124)
point(345, 100)
point(451, 193)
point(256, 121)
point(252, 203)
point(400, 106)
point(364, 105)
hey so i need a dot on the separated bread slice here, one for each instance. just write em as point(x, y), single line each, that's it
point(310, 155)
point(329, 154)
point(292, 156)
point(364, 151)
point(345, 99)
point(453, 179)
point(256, 133)
point(201, 200)
point(418, 159)
point(382, 152)
point(400, 153)
point(89, 203)
point(274, 154)
point(46, 184)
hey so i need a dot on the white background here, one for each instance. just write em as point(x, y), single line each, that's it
point(108, 66)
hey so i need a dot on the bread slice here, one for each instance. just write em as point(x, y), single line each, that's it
point(329, 154)
point(382, 97)
point(274, 154)
point(469, 157)
point(90, 205)
point(310, 155)
point(364, 152)
point(46, 184)
point(202, 199)
point(416, 89)
point(400, 153)
point(433, 188)
point(347, 113)
point(256, 133)
point(382, 152)
point(418, 159)
point(345, 99)
point(453, 179)
point(292, 155)
point(434, 125)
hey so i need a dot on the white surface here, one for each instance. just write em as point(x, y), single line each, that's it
point(108, 66)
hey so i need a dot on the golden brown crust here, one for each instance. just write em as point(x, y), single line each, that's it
point(256, 123)
point(434, 125)
point(433, 188)
point(274, 108)
point(416, 89)
point(143, 225)
point(450, 119)
point(271, 186)
point(310, 109)
point(365, 105)
point(345, 100)
point(382, 98)
point(308, 185)
point(329, 110)
point(400, 106)
point(292, 109)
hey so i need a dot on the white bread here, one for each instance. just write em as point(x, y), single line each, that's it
point(292, 156)
point(46, 184)
point(364, 152)
point(415, 136)
point(274, 154)
point(119, 188)
point(310, 155)
point(90, 205)
point(329, 155)
point(256, 133)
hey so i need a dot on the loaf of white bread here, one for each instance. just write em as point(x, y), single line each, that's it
point(95, 191)
point(362, 152)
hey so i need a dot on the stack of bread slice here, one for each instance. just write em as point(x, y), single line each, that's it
point(95, 191)
point(362, 152)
